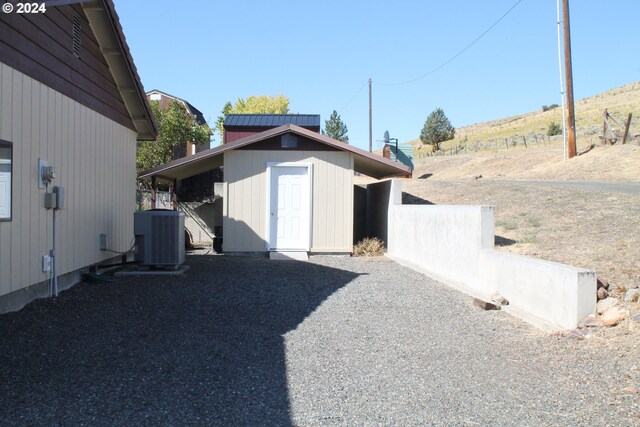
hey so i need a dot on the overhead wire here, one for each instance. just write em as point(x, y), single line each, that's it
point(467, 47)
point(353, 98)
point(463, 50)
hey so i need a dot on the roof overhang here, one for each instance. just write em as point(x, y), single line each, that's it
point(366, 163)
point(105, 24)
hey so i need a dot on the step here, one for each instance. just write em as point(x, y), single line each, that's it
point(289, 255)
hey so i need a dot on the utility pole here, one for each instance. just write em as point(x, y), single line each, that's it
point(370, 121)
point(564, 110)
point(571, 117)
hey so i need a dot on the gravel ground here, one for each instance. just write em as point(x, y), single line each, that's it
point(334, 341)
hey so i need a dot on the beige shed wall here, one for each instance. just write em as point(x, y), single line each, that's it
point(244, 223)
point(94, 159)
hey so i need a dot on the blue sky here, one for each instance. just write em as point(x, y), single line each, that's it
point(321, 54)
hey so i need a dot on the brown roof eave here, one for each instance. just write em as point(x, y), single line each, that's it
point(102, 15)
point(379, 169)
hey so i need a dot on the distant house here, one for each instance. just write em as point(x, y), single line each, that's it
point(286, 188)
point(70, 97)
point(163, 100)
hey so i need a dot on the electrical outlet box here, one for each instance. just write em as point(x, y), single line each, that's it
point(103, 242)
point(46, 263)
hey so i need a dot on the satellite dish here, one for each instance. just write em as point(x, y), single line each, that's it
point(386, 136)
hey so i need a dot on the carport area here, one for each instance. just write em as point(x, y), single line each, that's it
point(332, 341)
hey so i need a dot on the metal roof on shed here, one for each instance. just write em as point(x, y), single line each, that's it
point(272, 120)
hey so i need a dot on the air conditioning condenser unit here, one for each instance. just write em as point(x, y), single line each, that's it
point(159, 235)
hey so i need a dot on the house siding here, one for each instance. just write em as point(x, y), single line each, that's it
point(94, 159)
point(244, 221)
point(40, 45)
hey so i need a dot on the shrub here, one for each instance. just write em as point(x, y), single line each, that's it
point(554, 129)
point(369, 246)
point(549, 107)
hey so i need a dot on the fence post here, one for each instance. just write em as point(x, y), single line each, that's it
point(626, 129)
point(174, 196)
point(153, 192)
point(525, 141)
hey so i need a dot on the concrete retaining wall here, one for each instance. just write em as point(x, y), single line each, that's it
point(551, 295)
point(454, 244)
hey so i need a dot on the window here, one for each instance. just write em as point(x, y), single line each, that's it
point(288, 141)
point(5, 180)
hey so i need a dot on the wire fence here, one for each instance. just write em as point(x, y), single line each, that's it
point(587, 137)
point(466, 146)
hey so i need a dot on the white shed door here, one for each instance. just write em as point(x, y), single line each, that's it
point(5, 193)
point(289, 208)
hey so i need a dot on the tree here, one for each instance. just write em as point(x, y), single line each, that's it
point(263, 104)
point(335, 128)
point(175, 126)
point(437, 128)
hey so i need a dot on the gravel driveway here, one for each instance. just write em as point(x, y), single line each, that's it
point(334, 341)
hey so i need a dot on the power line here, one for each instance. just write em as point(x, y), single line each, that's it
point(354, 97)
point(457, 54)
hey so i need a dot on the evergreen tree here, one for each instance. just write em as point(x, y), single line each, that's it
point(335, 128)
point(437, 128)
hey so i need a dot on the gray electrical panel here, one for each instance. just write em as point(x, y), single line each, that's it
point(59, 195)
point(55, 199)
point(159, 237)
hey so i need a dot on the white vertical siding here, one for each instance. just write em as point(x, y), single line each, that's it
point(94, 159)
point(332, 198)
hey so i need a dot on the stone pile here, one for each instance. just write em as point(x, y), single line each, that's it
point(612, 310)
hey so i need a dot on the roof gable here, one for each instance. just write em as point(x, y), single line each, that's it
point(65, 50)
point(364, 162)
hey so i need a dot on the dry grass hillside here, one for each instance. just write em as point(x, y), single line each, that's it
point(619, 163)
point(533, 126)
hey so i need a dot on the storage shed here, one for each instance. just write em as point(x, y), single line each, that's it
point(287, 189)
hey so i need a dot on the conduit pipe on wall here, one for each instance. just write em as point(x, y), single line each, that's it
point(54, 201)
point(53, 288)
